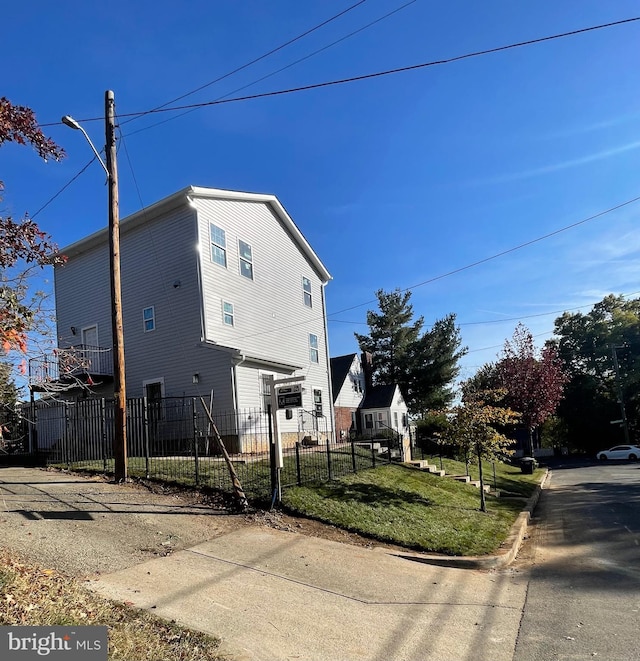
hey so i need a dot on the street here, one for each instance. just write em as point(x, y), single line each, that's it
point(583, 561)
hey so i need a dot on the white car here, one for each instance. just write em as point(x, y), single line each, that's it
point(631, 452)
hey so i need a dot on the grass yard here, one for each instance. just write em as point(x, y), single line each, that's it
point(412, 508)
point(36, 596)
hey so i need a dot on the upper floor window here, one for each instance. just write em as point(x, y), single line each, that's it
point(149, 319)
point(313, 348)
point(227, 313)
point(218, 245)
point(306, 288)
point(246, 259)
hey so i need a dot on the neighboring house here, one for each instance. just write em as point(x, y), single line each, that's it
point(361, 407)
point(220, 290)
point(347, 384)
point(383, 408)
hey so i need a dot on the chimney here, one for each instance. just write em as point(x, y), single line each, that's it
point(367, 367)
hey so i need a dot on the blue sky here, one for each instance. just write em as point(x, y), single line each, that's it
point(394, 181)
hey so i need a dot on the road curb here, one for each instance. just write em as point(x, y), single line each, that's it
point(507, 553)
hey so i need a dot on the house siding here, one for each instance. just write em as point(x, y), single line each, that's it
point(271, 320)
point(166, 264)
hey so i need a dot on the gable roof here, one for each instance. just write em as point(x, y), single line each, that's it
point(184, 197)
point(340, 366)
point(379, 397)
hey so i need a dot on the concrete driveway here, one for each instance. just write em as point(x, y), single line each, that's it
point(269, 594)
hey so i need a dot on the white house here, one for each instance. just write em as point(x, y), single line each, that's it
point(220, 290)
point(362, 407)
point(348, 385)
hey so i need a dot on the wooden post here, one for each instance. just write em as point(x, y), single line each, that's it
point(119, 387)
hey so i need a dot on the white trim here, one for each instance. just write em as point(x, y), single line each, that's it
point(153, 318)
point(184, 197)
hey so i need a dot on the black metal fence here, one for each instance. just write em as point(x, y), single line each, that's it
point(172, 440)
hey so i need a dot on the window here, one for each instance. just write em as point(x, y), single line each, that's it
point(246, 260)
point(368, 420)
point(306, 288)
point(218, 245)
point(265, 390)
point(317, 403)
point(313, 348)
point(227, 313)
point(395, 419)
point(149, 319)
point(381, 420)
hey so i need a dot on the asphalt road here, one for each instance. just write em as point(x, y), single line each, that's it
point(583, 562)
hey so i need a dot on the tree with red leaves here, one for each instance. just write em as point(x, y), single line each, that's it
point(533, 381)
point(22, 244)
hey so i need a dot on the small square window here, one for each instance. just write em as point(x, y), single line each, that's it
point(306, 289)
point(227, 313)
point(246, 259)
point(218, 245)
point(149, 319)
point(313, 348)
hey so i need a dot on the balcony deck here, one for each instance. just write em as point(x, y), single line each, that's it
point(77, 365)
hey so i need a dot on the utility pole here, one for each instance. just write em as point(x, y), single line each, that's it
point(119, 387)
point(623, 412)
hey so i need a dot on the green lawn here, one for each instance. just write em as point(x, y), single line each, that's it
point(412, 508)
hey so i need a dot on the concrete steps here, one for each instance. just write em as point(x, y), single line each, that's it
point(424, 465)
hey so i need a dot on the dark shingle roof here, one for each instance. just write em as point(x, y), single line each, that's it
point(378, 397)
point(340, 366)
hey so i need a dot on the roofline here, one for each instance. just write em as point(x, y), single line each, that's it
point(184, 196)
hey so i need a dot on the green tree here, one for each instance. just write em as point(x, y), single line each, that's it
point(423, 364)
point(585, 345)
point(473, 429)
point(392, 332)
point(431, 366)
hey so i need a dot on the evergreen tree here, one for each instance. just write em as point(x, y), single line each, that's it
point(391, 337)
point(423, 364)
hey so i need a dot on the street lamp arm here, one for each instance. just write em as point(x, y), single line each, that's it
point(71, 123)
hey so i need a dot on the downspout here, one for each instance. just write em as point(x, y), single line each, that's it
point(234, 377)
point(234, 390)
point(326, 347)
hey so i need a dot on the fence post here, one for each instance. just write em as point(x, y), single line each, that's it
point(353, 455)
point(145, 434)
point(373, 454)
point(330, 472)
point(272, 457)
point(389, 442)
point(195, 440)
point(103, 433)
point(67, 449)
point(298, 468)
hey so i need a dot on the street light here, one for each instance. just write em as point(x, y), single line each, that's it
point(119, 387)
point(71, 123)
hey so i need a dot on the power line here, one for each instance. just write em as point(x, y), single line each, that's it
point(254, 61)
point(496, 321)
point(277, 71)
point(502, 253)
point(377, 74)
point(46, 204)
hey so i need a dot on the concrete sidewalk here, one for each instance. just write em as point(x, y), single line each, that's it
point(273, 595)
point(269, 594)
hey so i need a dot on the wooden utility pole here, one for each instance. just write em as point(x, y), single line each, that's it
point(625, 424)
point(119, 387)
